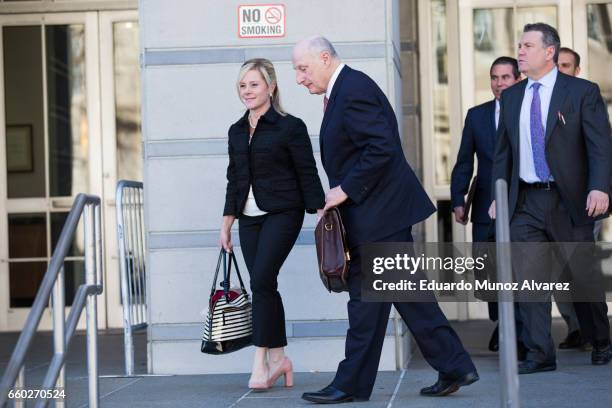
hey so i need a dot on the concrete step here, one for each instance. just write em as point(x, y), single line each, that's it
point(312, 346)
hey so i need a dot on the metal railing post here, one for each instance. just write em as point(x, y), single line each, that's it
point(507, 329)
point(128, 344)
point(91, 311)
point(53, 283)
point(20, 383)
point(131, 244)
point(59, 335)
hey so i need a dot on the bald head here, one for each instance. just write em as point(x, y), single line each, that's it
point(315, 60)
point(315, 44)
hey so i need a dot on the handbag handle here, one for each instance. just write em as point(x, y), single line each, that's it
point(214, 283)
point(233, 260)
point(227, 269)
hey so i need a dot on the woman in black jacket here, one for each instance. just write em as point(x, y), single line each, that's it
point(271, 179)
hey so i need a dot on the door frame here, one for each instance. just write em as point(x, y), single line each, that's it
point(12, 319)
point(112, 287)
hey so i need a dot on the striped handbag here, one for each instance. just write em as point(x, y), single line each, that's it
point(228, 326)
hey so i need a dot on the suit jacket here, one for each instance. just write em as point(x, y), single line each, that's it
point(578, 152)
point(478, 137)
point(278, 162)
point(362, 152)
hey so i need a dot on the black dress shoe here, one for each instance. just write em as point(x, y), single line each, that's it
point(494, 341)
point(601, 355)
point(328, 395)
point(444, 387)
point(530, 367)
point(572, 341)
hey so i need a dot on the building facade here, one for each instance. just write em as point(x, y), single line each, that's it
point(96, 91)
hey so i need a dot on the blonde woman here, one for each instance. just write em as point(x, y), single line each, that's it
point(271, 180)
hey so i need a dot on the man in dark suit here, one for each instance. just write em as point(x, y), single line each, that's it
point(569, 64)
point(555, 151)
point(479, 137)
point(379, 198)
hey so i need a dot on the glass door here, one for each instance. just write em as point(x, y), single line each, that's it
point(121, 135)
point(593, 42)
point(494, 28)
point(50, 150)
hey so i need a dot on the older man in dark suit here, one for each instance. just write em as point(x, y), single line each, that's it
point(479, 138)
point(379, 198)
point(555, 151)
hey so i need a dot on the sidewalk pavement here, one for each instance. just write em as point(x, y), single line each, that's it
point(575, 384)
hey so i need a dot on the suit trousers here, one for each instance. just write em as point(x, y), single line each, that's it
point(540, 216)
point(566, 309)
point(266, 241)
point(368, 321)
point(480, 233)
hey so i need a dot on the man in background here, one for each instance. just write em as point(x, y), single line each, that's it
point(554, 150)
point(479, 138)
point(569, 64)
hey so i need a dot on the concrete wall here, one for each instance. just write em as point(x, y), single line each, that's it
point(191, 54)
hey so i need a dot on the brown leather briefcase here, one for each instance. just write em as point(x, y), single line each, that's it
point(332, 251)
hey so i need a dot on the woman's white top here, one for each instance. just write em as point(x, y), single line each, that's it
point(250, 207)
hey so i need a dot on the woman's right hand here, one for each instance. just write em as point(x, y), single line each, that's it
point(225, 240)
point(225, 236)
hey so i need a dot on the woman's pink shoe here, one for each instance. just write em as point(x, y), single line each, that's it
point(259, 385)
point(285, 369)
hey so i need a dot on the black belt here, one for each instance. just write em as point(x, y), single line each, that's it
point(549, 185)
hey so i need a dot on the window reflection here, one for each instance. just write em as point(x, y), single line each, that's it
point(442, 141)
point(23, 102)
point(68, 133)
point(58, 220)
point(127, 100)
point(27, 235)
point(600, 54)
point(492, 39)
point(24, 280)
point(526, 15)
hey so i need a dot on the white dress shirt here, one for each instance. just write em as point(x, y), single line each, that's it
point(496, 113)
point(527, 171)
point(332, 80)
point(250, 207)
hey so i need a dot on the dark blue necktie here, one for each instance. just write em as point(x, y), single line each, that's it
point(537, 135)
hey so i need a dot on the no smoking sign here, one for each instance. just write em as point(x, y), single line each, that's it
point(261, 20)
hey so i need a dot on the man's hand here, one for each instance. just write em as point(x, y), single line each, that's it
point(320, 213)
point(460, 214)
point(492, 210)
point(334, 198)
point(597, 203)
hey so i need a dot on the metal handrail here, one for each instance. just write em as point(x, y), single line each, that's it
point(89, 207)
point(131, 243)
point(507, 329)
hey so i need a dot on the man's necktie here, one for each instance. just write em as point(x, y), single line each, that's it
point(325, 100)
point(537, 135)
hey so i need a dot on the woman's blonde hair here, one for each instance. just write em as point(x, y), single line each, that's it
point(266, 69)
